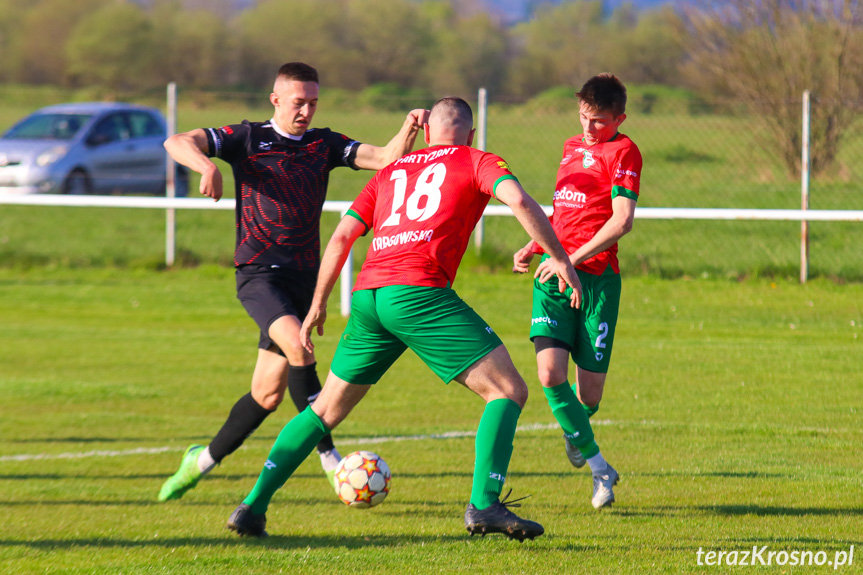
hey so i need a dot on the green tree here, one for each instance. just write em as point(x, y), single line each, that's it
point(192, 47)
point(314, 32)
point(464, 52)
point(561, 45)
point(112, 48)
point(766, 53)
point(389, 39)
point(40, 32)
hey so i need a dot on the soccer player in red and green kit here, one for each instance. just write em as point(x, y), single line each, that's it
point(422, 209)
point(594, 206)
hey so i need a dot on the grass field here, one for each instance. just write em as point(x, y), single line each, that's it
point(733, 412)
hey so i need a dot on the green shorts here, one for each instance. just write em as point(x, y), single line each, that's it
point(445, 332)
point(589, 331)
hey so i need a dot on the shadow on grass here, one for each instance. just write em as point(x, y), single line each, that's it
point(273, 542)
point(759, 510)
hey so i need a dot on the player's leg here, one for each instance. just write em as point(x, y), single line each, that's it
point(495, 379)
point(247, 414)
point(457, 344)
point(552, 367)
point(364, 354)
point(594, 343)
point(293, 445)
point(554, 328)
point(302, 381)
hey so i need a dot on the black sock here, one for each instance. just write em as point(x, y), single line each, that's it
point(245, 417)
point(303, 385)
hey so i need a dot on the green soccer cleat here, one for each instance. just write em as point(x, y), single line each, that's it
point(331, 477)
point(185, 478)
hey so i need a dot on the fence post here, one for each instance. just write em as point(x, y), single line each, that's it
point(482, 124)
point(171, 179)
point(804, 190)
point(346, 280)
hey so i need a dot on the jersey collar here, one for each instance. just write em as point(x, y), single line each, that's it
point(283, 133)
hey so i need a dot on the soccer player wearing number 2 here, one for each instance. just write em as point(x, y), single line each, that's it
point(422, 208)
point(594, 206)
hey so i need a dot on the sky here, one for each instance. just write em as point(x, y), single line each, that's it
point(516, 10)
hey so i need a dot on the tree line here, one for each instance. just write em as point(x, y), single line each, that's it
point(763, 54)
point(439, 46)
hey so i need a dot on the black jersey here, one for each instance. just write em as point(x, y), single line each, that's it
point(281, 184)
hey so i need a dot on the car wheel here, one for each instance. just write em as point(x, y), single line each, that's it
point(78, 184)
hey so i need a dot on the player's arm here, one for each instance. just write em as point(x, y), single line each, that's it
point(371, 157)
point(534, 221)
point(620, 224)
point(522, 258)
point(190, 149)
point(337, 251)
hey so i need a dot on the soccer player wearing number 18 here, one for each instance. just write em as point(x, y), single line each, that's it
point(594, 206)
point(422, 208)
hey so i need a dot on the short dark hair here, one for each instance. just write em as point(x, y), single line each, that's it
point(604, 92)
point(456, 107)
point(298, 71)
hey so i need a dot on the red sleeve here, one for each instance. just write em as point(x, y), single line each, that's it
point(363, 207)
point(627, 169)
point(490, 170)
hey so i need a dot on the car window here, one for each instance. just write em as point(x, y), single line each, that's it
point(48, 127)
point(111, 128)
point(144, 124)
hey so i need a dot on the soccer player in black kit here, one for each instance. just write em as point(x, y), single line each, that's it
point(281, 169)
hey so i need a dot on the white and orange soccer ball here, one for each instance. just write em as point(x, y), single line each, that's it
point(362, 479)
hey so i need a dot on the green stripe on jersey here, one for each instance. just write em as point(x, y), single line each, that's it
point(621, 191)
point(499, 180)
point(353, 214)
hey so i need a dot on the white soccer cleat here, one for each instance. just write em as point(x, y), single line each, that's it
point(574, 454)
point(603, 483)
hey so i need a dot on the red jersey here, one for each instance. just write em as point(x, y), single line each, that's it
point(588, 179)
point(423, 208)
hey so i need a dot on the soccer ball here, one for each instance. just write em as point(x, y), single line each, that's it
point(362, 479)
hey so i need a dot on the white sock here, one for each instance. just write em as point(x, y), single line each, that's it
point(206, 463)
point(597, 463)
point(330, 459)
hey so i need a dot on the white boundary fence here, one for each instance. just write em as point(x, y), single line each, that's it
point(341, 207)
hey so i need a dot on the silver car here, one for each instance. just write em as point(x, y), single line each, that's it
point(87, 148)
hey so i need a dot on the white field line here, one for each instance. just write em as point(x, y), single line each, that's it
point(397, 438)
point(355, 440)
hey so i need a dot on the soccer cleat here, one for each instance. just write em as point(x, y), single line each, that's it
point(574, 454)
point(244, 522)
point(603, 495)
point(331, 477)
point(185, 478)
point(498, 519)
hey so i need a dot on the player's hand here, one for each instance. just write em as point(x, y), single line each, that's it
point(315, 318)
point(418, 118)
point(566, 276)
point(211, 183)
point(521, 259)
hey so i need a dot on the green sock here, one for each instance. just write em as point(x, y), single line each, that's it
point(588, 410)
point(493, 450)
point(296, 441)
point(572, 417)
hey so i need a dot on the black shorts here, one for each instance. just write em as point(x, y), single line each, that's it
point(270, 293)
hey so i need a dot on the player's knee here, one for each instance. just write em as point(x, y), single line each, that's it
point(550, 376)
point(269, 400)
point(517, 392)
point(590, 397)
point(296, 353)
